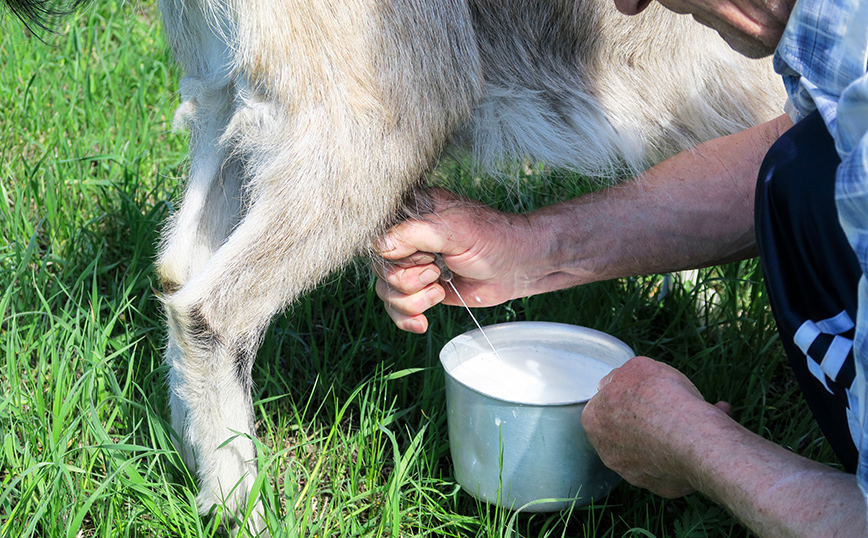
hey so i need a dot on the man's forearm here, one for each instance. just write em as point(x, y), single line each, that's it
point(772, 490)
point(693, 210)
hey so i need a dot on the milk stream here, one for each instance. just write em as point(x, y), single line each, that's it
point(496, 354)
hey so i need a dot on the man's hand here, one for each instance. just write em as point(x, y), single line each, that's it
point(642, 422)
point(489, 253)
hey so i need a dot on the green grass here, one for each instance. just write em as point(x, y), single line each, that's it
point(350, 411)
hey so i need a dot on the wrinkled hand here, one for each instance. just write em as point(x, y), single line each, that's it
point(646, 424)
point(483, 248)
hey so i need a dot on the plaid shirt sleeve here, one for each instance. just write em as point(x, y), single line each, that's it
point(822, 57)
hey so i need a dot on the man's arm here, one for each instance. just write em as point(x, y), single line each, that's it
point(651, 425)
point(693, 210)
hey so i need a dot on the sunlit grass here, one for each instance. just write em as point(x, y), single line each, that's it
point(351, 419)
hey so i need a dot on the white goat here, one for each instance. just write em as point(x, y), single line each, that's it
point(313, 121)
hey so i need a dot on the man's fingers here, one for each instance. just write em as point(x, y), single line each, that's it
point(407, 279)
point(413, 324)
point(409, 304)
point(416, 258)
point(414, 236)
point(605, 380)
point(725, 407)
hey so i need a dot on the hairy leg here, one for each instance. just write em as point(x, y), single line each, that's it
point(329, 115)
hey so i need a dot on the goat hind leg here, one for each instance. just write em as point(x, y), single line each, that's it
point(329, 159)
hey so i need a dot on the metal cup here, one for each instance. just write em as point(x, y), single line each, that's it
point(534, 457)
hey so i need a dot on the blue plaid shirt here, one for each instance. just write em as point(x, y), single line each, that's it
point(823, 58)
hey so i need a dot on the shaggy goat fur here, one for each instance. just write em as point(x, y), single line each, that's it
point(312, 122)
